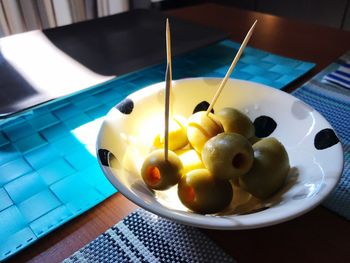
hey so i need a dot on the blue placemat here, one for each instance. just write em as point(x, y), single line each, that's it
point(145, 237)
point(333, 102)
point(48, 170)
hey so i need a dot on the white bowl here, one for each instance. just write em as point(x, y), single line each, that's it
point(127, 133)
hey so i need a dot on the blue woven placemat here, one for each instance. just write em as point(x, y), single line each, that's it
point(333, 102)
point(48, 170)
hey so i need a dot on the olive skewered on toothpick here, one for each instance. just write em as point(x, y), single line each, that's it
point(163, 169)
point(204, 125)
point(225, 155)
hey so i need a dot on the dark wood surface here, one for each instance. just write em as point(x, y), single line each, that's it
point(318, 236)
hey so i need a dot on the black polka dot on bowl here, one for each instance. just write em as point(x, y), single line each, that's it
point(202, 106)
point(103, 155)
point(325, 138)
point(126, 106)
point(264, 126)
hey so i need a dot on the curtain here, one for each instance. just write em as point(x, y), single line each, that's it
point(17, 16)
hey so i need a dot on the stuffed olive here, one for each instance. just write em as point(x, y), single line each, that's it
point(269, 171)
point(190, 159)
point(235, 121)
point(199, 191)
point(161, 174)
point(177, 134)
point(201, 127)
point(228, 155)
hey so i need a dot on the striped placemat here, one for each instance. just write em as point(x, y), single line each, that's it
point(341, 76)
point(145, 237)
point(333, 102)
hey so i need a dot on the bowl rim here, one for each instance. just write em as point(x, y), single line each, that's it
point(227, 222)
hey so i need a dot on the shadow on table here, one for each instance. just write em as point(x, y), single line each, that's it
point(16, 92)
point(129, 41)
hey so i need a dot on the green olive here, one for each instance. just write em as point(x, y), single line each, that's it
point(235, 121)
point(191, 160)
point(254, 139)
point(199, 191)
point(228, 155)
point(269, 171)
point(177, 134)
point(201, 127)
point(161, 174)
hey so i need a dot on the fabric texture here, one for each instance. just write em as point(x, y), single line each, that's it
point(145, 237)
point(340, 76)
point(333, 102)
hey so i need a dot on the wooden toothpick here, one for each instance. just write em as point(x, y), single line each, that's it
point(166, 116)
point(168, 84)
point(169, 64)
point(233, 64)
point(168, 50)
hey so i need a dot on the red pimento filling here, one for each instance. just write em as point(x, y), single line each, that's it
point(189, 194)
point(153, 175)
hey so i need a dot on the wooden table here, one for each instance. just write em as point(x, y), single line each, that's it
point(318, 236)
